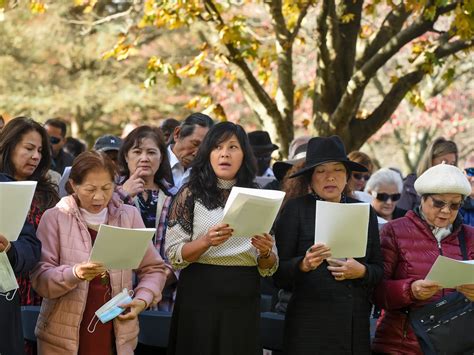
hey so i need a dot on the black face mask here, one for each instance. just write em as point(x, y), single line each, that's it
point(263, 163)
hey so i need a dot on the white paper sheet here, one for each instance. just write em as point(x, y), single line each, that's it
point(121, 248)
point(252, 211)
point(451, 273)
point(343, 227)
point(15, 197)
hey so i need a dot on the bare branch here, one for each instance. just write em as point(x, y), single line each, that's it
point(391, 25)
point(325, 85)
point(365, 128)
point(348, 33)
point(102, 20)
point(236, 58)
point(282, 33)
point(356, 86)
point(299, 21)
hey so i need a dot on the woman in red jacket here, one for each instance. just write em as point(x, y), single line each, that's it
point(410, 246)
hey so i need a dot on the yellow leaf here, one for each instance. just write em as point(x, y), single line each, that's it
point(193, 103)
point(365, 31)
point(346, 18)
point(37, 7)
point(219, 74)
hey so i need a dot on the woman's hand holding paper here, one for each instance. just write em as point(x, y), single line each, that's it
point(346, 270)
point(88, 270)
point(263, 243)
point(467, 290)
point(4, 244)
point(218, 234)
point(424, 289)
point(314, 257)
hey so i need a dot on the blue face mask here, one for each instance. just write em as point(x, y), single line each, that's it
point(111, 309)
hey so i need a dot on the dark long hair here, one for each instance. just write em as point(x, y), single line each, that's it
point(134, 139)
point(10, 136)
point(203, 180)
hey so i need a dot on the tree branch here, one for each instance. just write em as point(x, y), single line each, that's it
point(325, 98)
point(299, 21)
point(391, 25)
point(103, 19)
point(363, 129)
point(236, 58)
point(348, 33)
point(347, 106)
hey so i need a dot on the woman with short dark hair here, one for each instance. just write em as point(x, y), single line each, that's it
point(218, 298)
point(73, 287)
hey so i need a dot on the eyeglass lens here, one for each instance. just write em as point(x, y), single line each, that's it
point(469, 171)
point(54, 140)
point(441, 204)
point(385, 197)
point(359, 176)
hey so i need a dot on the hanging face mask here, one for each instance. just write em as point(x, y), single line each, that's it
point(111, 309)
point(7, 278)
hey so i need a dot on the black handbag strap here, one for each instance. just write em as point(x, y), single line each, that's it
point(462, 244)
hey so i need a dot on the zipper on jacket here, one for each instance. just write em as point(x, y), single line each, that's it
point(440, 253)
point(405, 328)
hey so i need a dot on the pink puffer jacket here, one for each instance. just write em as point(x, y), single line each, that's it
point(66, 242)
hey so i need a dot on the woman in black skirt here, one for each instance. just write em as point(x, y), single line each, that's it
point(217, 308)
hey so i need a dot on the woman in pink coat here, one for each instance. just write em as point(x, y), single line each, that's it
point(73, 288)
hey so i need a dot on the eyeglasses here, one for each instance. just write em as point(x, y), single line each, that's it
point(54, 140)
point(385, 197)
point(469, 172)
point(360, 176)
point(439, 204)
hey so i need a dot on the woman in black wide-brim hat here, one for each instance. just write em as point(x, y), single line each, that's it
point(329, 310)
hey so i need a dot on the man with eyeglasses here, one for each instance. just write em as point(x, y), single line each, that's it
point(467, 210)
point(56, 129)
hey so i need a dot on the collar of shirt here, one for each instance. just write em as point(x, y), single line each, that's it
point(173, 158)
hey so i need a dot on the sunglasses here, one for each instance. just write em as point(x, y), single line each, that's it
point(385, 197)
point(469, 172)
point(439, 204)
point(360, 176)
point(54, 140)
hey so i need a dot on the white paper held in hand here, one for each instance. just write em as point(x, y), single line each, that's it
point(121, 248)
point(451, 273)
point(251, 211)
point(15, 197)
point(342, 227)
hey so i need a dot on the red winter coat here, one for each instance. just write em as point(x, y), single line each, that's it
point(409, 250)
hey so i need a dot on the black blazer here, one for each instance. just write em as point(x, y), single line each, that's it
point(324, 316)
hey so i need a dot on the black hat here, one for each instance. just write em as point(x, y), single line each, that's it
point(261, 142)
point(280, 168)
point(107, 142)
point(324, 150)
